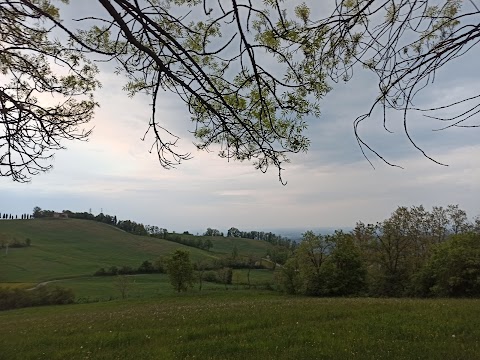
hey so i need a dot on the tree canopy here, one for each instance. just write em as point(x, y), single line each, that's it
point(33, 65)
point(414, 252)
point(252, 74)
point(180, 270)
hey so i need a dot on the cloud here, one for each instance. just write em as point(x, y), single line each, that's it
point(332, 185)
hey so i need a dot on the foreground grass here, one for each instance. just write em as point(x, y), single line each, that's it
point(245, 325)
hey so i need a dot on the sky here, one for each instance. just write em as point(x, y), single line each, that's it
point(330, 186)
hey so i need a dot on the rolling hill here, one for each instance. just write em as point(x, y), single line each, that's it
point(64, 248)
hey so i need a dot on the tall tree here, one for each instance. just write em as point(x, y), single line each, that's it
point(458, 219)
point(123, 284)
point(288, 277)
point(454, 268)
point(37, 212)
point(311, 255)
point(344, 271)
point(398, 247)
point(180, 270)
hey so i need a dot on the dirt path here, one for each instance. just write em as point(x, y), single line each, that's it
point(43, 284)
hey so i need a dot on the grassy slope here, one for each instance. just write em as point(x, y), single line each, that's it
point(65, 248)
point(225, 245)
point(245, 325)
point(72, 247)
point(101, 288)
point(213, 323)
point(141, 286)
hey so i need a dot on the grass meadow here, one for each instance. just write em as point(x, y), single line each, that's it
point(154, 322)
point(72, 247)
point(103, 288)
point(225, 245)
point(238, 324)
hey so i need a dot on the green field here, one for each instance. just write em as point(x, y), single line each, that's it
point(245, 325)
point(89, 289)
point(69, 248)
point(225, 245)
point(239, 322)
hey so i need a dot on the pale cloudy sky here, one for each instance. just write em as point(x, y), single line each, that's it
point(331, 186)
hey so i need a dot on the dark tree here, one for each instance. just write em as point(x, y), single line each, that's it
point(30, 130)
point(146, 268)
point(180, 270)
point(207, 244)
point(37, 212)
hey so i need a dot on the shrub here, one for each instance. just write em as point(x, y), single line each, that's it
point(146, 268)
point(159, 266)
point(210, 276)
point(113, 270)
point(43, 295)
point(100, 272)
point(126, 270)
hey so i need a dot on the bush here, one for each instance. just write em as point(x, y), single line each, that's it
point(159, 266)
point(126, 270)
point(146, 268)
point(210, 276)
point(220, 276)
point(113, 270)
point(287, 277)
point(15, 243)
point(225, 275)
point(100, 272)
point(43, 295)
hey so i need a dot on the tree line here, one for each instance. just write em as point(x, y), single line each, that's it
point(414, 252)
point(15, 298)
point(196, 242)
point(182, 272)
point(6, 216)
point(125, 225)
point(282, 244)
point(262, 235)
point(147, 267)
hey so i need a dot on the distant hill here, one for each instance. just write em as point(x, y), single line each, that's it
point(296, 233)
point(62, 248)
point(225, 245)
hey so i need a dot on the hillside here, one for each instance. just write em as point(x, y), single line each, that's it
point(72, 247)
point(225, 245)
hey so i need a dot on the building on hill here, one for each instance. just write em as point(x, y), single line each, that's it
point(61, 215)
